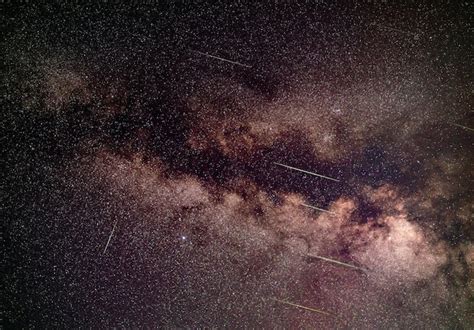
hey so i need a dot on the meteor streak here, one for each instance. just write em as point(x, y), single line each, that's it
point(337, 262)
point(302, 307)
point(386, 27)
point(223, 59)
point(307, 172)
point(317, 208)
point(465, 127)
point(110, 236)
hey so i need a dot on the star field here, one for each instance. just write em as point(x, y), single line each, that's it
point(144, 184)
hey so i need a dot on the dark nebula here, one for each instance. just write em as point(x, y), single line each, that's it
point(141, 185)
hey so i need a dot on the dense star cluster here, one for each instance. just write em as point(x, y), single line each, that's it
point(304, 165)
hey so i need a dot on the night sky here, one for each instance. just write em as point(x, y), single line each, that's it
point(140, 185)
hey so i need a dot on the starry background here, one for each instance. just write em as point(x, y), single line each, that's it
point(115, 126)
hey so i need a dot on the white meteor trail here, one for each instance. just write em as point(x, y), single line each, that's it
point(337, 262)
point(465, 127)
point(386, 27)
point(302, 307)
point(317, 208)
point(110, 236)
point(307, 172)
point(222, 59)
